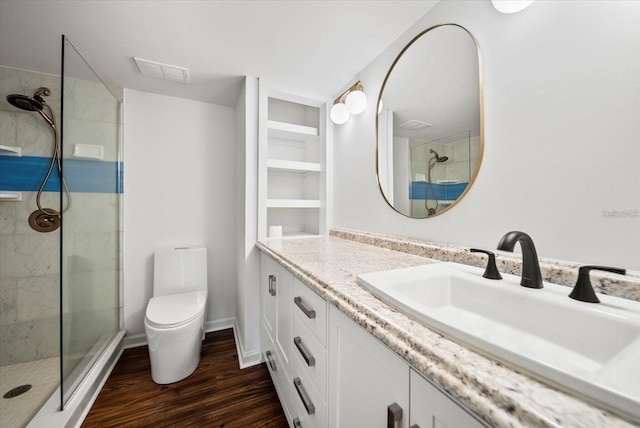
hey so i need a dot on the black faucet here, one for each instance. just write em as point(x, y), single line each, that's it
point(491, 271)
point(583, 290)
point(531, 276)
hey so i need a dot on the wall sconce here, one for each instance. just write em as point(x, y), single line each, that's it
point(511, 6)
point(351, 101)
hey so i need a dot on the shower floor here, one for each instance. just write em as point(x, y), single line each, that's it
point(44, 377)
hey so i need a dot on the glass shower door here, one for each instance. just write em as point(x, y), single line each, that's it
point(90, 218)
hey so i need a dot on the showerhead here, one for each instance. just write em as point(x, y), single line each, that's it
point(24, 102)
point(438, 157)
point(34, 103)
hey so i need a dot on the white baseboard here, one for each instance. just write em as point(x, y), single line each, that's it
point(218, 325)
point(134, 340)
point(140, 339)
point(246, 359)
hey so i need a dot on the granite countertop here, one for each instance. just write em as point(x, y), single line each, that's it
point(497, 394)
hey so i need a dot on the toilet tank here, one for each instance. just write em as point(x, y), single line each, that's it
point(179, 270)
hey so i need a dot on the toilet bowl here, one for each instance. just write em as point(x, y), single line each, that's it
point(175, 316)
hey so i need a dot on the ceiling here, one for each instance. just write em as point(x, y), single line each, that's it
point(313, 48)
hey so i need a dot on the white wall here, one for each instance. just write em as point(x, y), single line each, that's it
point(562, 120)
point(179, 190)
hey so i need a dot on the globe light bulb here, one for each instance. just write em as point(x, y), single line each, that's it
point(511, 6)
point(339, 113)
point(356, 102)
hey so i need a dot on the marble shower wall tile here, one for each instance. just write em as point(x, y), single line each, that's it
point(26, 255)
point(93, 212)
point(8, 300)
point(37, 297)
point(29, 340)
point(7, 218)
point(7, 128)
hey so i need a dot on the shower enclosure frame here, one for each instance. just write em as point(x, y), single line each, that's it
point(72, 278)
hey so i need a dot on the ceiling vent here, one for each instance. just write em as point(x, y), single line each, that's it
point(415, 125)
point(164, 71)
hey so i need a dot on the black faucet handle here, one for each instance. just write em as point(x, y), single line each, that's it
point(583, 290)
point(491, 271)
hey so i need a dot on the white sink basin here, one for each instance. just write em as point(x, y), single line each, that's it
point(591, 349)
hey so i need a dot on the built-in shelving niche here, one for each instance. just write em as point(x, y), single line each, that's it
point(292, 165)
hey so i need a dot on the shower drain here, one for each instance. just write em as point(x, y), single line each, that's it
point(18, 390)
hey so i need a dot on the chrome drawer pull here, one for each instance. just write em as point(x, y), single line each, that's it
point(311, 409)
point(271, 363)
point(308, 358)
point(310, 313)
point(394, 414)
point(296, 423)
point(272, 285)
point(415, 426)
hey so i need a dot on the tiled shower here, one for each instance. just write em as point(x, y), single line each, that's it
point(59, 290)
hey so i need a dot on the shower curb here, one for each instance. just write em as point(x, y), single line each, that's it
point(78, 406)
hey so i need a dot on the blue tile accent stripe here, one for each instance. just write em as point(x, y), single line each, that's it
point(25, 174)
point(442, 192)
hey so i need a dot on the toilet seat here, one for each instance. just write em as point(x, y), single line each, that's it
point(175, 310)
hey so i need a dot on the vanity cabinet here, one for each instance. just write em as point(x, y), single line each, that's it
point(369, 385)
point(292, 158)
point(329, 371)
point(430, 408)
point(293, 342)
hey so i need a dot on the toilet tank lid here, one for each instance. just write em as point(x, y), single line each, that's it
point(175, 309)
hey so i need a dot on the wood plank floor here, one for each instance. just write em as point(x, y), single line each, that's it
point(217, 394)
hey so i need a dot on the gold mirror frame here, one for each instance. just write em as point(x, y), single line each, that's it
point(480, 112)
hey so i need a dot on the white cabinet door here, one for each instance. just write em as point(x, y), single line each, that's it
point(269, 271)
point(366, 379)
point(430, 408)
point(284, 296)
point(276, 286)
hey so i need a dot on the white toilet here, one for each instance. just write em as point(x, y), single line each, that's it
point(176, 314)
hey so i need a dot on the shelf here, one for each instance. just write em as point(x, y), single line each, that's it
point(292, 166)
point(293, 203)
point(10, 151)
point(296, 235)
point(9, 196)
point(289, 131)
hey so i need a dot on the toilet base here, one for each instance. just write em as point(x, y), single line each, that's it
point(174, 353)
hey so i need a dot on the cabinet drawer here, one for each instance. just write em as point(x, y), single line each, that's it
point(305, 394)
point(311, 355)
point(276, 370)
point(299, 417)
point(311, 309)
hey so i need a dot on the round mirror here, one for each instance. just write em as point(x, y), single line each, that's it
point(429, 123)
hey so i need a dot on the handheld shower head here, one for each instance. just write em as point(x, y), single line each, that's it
point(35, 103)
point(24, 102)
point(439, 158)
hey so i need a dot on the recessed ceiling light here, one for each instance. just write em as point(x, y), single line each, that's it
point(164, 71)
